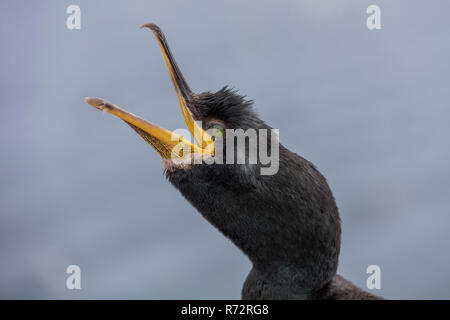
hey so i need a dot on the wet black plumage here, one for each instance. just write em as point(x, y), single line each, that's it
point(287, 224)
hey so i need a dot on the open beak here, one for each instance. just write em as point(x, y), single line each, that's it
point(168, 144)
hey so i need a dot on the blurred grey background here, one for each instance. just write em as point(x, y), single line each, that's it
point(369, 108)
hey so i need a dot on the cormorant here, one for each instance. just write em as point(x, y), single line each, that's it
point(287, 223)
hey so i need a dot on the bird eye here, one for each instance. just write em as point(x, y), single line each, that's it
point(217, 130)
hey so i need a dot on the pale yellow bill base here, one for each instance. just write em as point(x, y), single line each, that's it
point(201, 137)
point(162, 140)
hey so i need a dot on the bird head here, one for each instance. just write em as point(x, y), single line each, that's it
point(286, 220)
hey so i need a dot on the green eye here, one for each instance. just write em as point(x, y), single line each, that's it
point(217, 131)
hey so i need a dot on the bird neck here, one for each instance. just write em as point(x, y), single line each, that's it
point(278, 282)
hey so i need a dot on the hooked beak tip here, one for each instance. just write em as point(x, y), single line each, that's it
point(151, 26)
point(95, 102)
